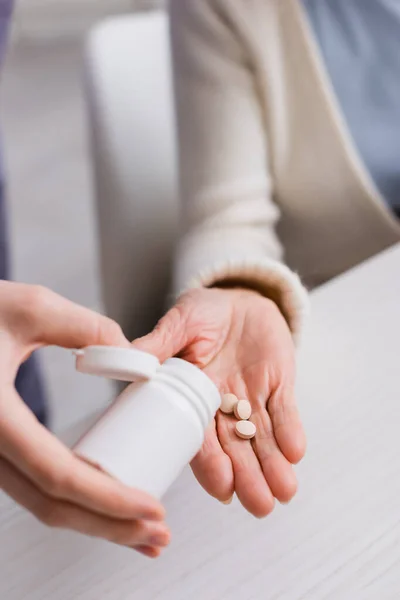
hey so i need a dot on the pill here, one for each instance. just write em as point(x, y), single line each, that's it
point(245, 430)
point(228, 403)
point(242, 410)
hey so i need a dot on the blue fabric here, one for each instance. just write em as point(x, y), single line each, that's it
point(360, 44)
point(29, 381)
point(30, 387)
point(6, 9)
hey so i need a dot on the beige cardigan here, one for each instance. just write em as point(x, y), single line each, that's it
point(269, 171)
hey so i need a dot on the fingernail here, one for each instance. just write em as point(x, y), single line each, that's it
point(149, 551)
point(161, 538)
point(285, 502)
point(226, 502)
point(79, 352)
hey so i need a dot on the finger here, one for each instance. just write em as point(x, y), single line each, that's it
point(168, 338)
point(276, 467)
point(213, 468)
point(277, 470)
point(288, 429)
point(64, 515)
point(41, 316)
point(250, 484)
point(54, 469)
point(149, 551)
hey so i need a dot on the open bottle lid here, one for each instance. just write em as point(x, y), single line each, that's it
point(123, 364)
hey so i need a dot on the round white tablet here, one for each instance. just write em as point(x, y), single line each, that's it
point(245, 430)
point(228, 403)
point(124, 364)
point(242, 410)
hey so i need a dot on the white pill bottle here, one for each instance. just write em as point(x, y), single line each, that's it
point(156, 426)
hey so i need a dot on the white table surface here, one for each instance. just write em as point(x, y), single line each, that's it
point(339, 539)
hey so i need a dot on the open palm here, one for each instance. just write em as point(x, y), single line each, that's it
point(241, 340)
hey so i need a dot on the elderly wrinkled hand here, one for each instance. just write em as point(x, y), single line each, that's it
point(242, 341)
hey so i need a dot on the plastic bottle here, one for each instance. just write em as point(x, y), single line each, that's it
point(156, 426)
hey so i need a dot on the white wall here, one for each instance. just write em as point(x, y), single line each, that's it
point(49, 177)
point(60, 18)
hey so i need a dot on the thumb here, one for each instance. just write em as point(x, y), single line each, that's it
point(168, 338)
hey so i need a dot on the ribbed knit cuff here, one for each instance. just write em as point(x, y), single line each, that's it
point(271, 278)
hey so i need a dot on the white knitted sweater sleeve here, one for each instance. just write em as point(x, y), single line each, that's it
point(229, 216)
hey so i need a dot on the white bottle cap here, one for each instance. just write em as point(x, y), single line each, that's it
point(124, 364)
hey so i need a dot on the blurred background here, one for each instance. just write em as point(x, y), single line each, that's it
point(50, 195)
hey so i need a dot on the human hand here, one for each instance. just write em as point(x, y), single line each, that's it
point(241, 340)
point(36, 469)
